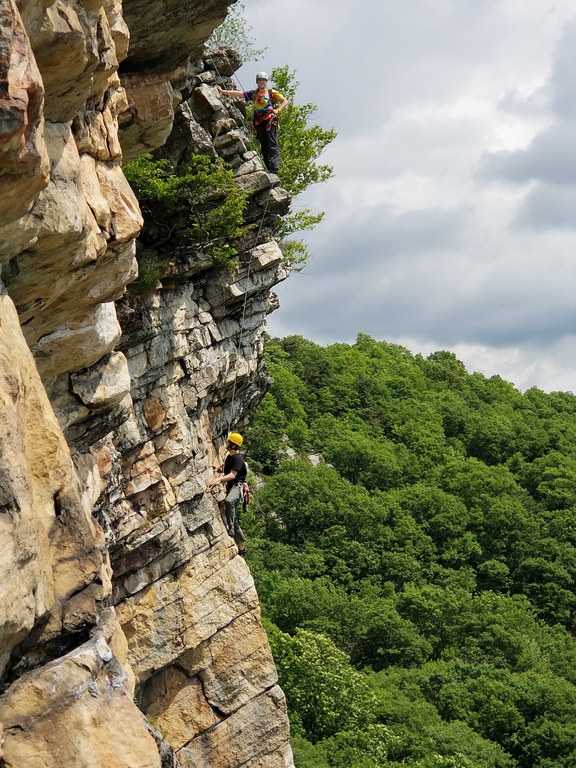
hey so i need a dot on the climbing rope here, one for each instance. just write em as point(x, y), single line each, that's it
point(243, 315)
point(248, 273)
point(234, 75)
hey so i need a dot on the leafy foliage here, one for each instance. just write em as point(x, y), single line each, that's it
point(434, 546)
point(325, 693)
point(236, 33)
point(302, 143)
point(195, 203)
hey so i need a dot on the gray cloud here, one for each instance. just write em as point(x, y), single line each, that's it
point(450, 300)
point(449, 222)
point(549, 206)
point(551, 157)
point(549, 161)
point(377, 237)
point(564, 75)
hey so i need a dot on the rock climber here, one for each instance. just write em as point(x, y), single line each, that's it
point(268, 104)
point(233, 474)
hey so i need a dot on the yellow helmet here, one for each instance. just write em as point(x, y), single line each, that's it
point(235, 438)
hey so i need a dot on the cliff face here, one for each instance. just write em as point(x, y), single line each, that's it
point(130, 631)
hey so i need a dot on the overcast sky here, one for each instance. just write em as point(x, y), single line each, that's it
point(451, 218)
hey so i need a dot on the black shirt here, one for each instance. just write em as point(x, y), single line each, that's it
point(235, 461)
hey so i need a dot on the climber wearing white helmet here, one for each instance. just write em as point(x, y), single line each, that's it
point(268, 104)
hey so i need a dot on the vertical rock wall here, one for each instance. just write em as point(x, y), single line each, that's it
point(130, 632)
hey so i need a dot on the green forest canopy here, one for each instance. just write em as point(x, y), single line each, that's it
point(418, 585)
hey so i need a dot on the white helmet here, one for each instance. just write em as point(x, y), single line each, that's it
point(261, 76)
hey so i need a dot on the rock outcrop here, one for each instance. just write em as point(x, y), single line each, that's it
point(130, 630)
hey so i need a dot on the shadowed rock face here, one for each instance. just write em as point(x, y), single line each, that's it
point(165, 33)
point(125, 611)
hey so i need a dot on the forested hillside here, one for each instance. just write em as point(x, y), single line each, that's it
point(418, 582)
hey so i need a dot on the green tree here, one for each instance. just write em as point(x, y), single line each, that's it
point(364, 459)
point(300, 502)
point(235, 32)
point(456, 582)
point(403, 707)
point(552, 480)
point(194, 203)
point(325, 693)
point(302, 143)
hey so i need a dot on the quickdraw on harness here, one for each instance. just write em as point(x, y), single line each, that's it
point(244, 494)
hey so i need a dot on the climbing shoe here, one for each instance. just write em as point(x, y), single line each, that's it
point(242, 552)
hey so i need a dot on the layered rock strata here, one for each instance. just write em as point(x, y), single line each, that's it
point(130, 631)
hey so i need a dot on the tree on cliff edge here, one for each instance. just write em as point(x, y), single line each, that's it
point(235, 32)
point(301, 141)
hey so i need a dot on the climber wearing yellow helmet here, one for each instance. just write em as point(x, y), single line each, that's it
point(234, 475)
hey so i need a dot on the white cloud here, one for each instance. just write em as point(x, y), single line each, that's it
point(526, 367)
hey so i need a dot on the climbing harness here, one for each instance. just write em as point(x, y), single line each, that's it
point(268, 113)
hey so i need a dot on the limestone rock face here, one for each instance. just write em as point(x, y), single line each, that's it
point(255, 735)
point(74, 45)
point(149, 115)
point(76, 711)
point(130, 630)
point(67, 236)
point(23, 157)
point(54, 571)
